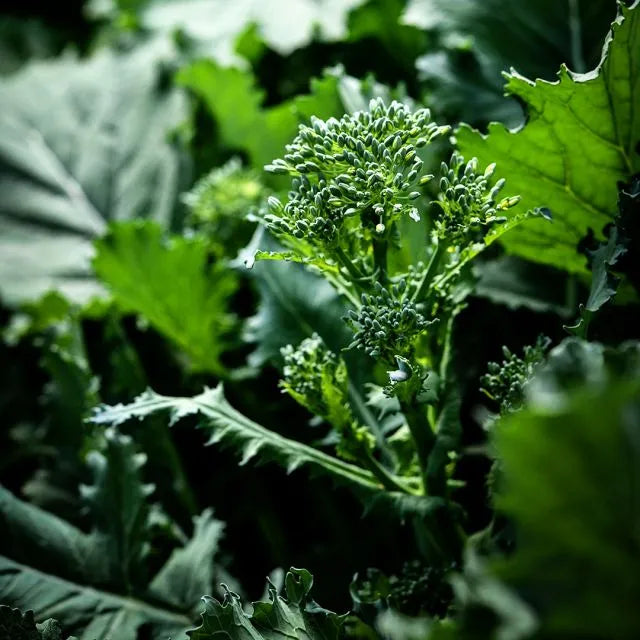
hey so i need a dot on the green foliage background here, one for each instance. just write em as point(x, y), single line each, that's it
point(137, 275)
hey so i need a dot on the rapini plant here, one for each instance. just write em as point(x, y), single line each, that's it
point(356, 191)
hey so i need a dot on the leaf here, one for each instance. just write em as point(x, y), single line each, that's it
point(117, 499)
point(188, 574)
point(580, 139)
point(15, 625)
point(104, 156)
point(296, 616)
point(474, 42)
point(170, 284)
point(55, 569)
point(89, 611)
point(214, 26)
point(294, 304)
point(236, 103)
point(571, 486)
point(576, 364)
point(62, 549)
point(518, 283)
point(232, 428)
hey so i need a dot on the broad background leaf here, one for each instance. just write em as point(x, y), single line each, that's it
point(580, 140)
point(82, 143)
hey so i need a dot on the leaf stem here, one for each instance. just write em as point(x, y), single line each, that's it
point(427, 276)
point(421, 433)
point(344, 260)
point(380, 248)
point(388, 481)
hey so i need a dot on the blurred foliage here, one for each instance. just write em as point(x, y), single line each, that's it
point(133, 137)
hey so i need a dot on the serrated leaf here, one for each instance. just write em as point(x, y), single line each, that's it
point(81, 143)
point(231, 428)
point(296, 616)
point(170, 283)
point(579, 141)
point(189, 572)
point(117, 500)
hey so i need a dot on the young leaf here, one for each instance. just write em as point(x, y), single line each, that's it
point(171, 285)
point(580, 140)
point(104, 156)
point(118, 503)
point(189, 572)
point(295, 616)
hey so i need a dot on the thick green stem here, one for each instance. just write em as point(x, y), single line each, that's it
point(386, 479)
point(422, 434)
point(344, 260)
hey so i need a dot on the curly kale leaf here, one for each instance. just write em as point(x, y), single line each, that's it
point(294, 615)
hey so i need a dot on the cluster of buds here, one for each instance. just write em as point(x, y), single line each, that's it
point(220, 202)
point(363, 167)
point(468, 203)
point(314, 376)
point(387, 323)
point(317, 379)
point(505, 382)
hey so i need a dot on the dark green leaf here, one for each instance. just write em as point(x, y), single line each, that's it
point(571, 486)
point(117, 499)
point(189, 572)
point(230, 427)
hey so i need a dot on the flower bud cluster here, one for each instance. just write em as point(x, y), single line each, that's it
point(362, 167)
point(316, 378)
point(305, 367)
point(469, 204)
point(505, 382)
point(229, 191)
point(387, 323)
point(220, 202)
